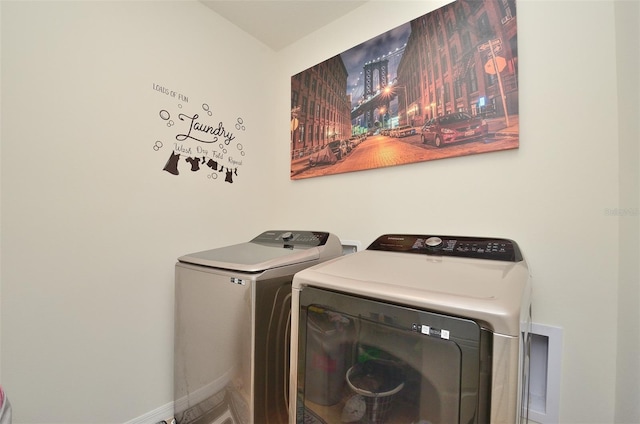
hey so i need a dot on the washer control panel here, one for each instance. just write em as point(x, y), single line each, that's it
point(498, 249)
point(302, 239)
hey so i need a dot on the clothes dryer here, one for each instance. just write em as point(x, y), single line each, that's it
point(232, 323)
point(414, 329)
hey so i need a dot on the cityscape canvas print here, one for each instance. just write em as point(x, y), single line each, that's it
point(442, 85)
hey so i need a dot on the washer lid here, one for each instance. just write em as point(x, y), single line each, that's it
point(271, 249)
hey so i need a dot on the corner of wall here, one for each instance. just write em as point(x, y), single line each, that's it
point(627, 21)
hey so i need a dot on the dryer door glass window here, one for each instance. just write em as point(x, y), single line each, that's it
point(363, 360)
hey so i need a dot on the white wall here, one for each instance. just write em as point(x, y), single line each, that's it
point(551, 195)
point(628, 70)
point(91, 224)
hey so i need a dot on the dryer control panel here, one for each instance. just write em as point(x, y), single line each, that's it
point(498, 249)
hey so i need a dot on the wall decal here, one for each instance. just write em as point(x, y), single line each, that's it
point(442, 85)
point(196, 141)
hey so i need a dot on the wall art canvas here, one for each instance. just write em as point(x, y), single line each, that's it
point(442, 85)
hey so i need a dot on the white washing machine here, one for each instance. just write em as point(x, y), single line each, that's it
point(232, 326)
point(414, 329)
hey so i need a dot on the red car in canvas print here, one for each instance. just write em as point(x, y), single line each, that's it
point(452, 128)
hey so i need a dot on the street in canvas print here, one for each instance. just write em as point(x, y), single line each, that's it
point(442, 85)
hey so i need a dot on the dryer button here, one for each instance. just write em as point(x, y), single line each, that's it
point(433, 242)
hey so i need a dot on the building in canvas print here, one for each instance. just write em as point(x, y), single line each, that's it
point(442, 85)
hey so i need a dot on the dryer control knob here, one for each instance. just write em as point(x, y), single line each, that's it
point(287, 236)
point(433, 242)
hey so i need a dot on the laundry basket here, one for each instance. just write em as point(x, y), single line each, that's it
point(378, 382)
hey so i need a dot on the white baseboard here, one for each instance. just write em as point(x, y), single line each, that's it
point(166, 412)
point(162, 413)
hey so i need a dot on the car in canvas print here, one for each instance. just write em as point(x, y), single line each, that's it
point(453, 128)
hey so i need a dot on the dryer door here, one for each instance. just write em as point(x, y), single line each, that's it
point(369, 361)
